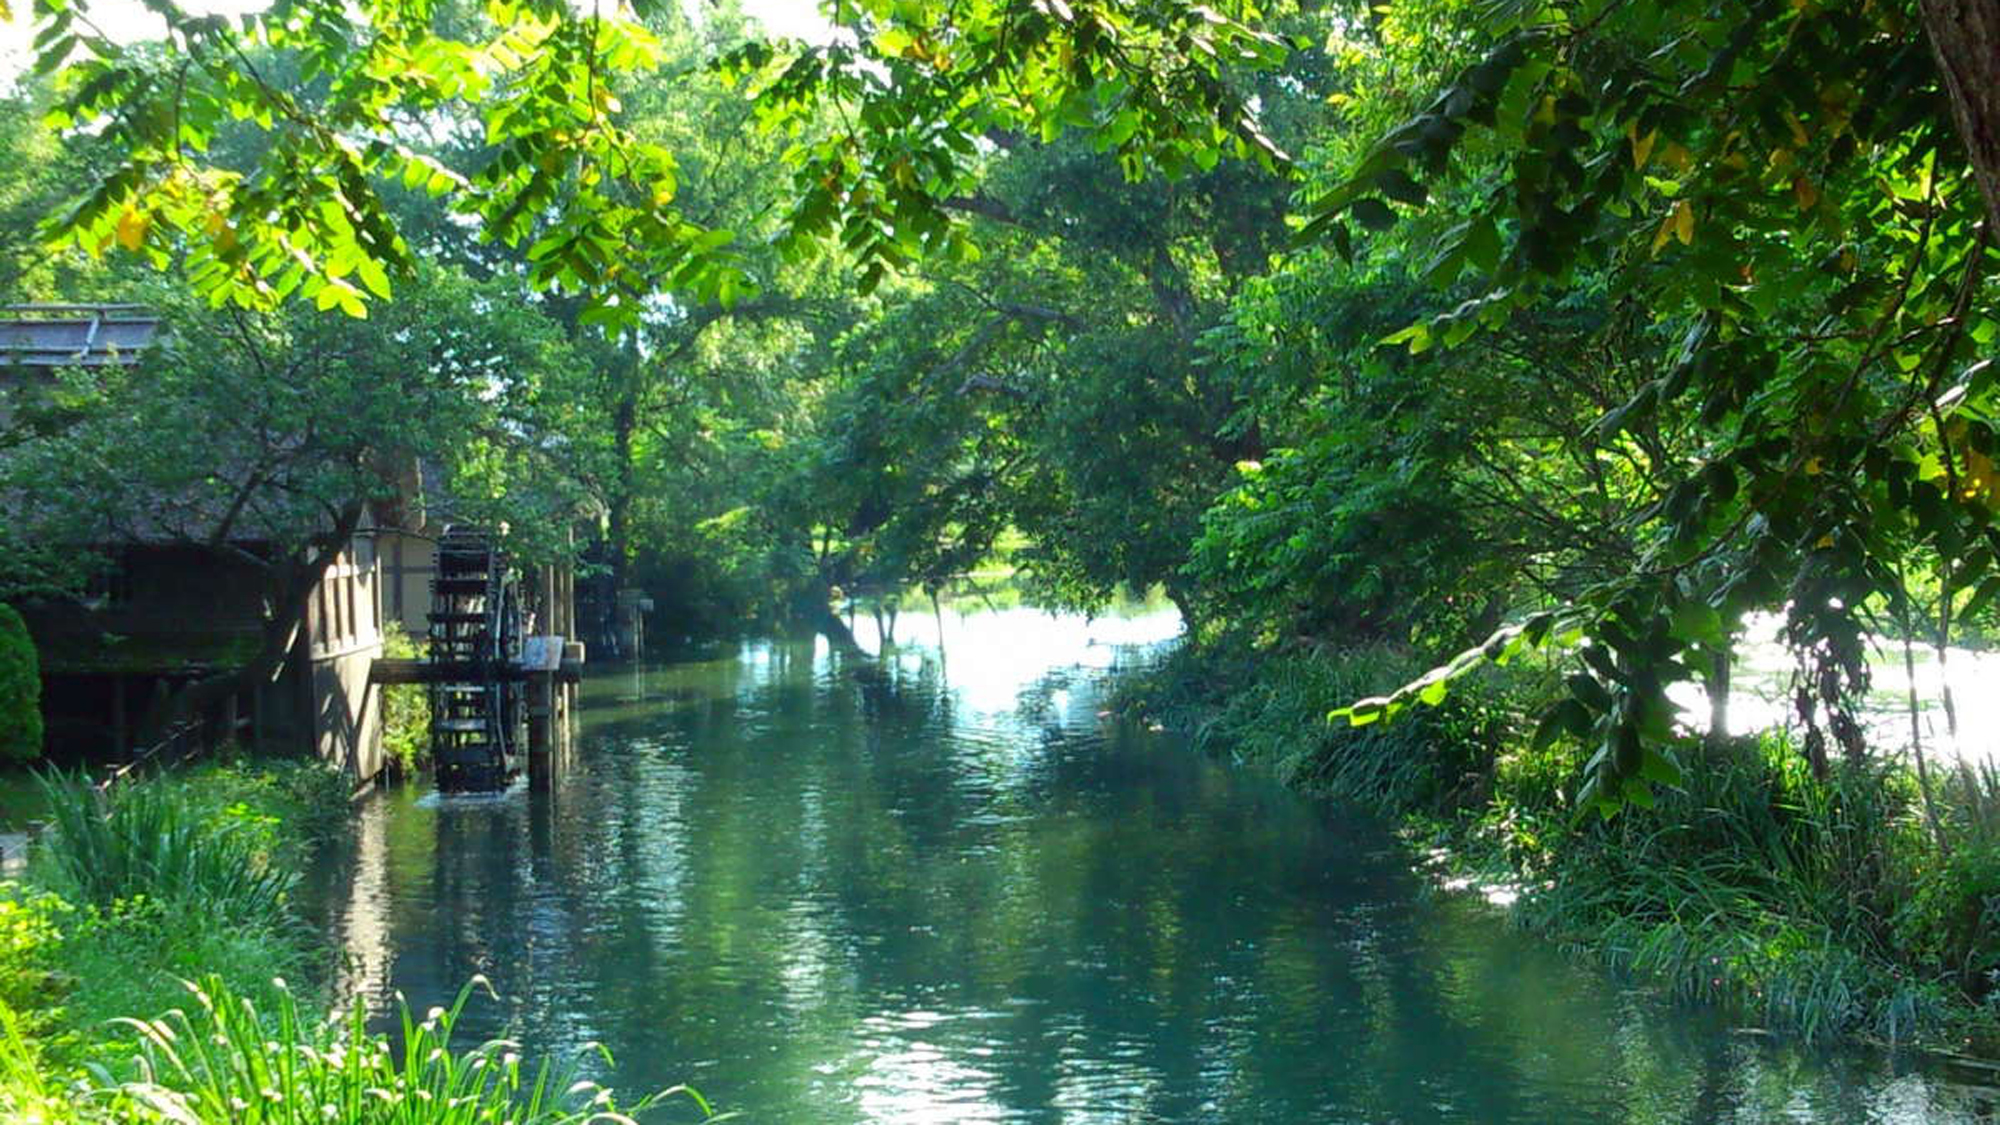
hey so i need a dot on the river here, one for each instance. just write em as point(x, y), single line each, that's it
point(933, 883)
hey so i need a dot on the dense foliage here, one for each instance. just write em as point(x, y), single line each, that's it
point(20, 690)
point(1566, 332)
point(1724, 274)
point(1789, 198)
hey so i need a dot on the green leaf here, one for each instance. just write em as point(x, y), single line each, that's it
point(1364, 712)
point(1568, 717)
point(1588, 691)
point(373, 276)
point(1636, 792)
point(1698, 622)
point(1658, 765)
point(1417, 338)
point(1482, 245)
point(1373, 214)
point(1981, 597)
point(1397, 185)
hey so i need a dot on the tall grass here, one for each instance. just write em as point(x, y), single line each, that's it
point(166, 878)
point(1753, 885)
point(225, 1061)
point(1821, 907)
point(150, 841)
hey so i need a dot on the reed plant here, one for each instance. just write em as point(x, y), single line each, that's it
point(1754, 885)
point(226, 1061)
point(1821, 907)
point(151, 841)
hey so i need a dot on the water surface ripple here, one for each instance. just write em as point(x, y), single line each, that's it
point(930, 883)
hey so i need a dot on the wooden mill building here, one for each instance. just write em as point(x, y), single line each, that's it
point(170, 608)
point(167, 610)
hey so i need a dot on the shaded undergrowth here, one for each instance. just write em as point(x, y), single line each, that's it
point(1818, 907)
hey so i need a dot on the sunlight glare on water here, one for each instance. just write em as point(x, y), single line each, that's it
point(932, 880)
point(1764, 680)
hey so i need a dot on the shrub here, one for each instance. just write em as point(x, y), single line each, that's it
point(285, 805)
point(20, 690)
point(29, 1091)
point(1950, 922)
point(30, 934)
point(406, 708)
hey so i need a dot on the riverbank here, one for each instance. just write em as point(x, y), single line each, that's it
point(1819, 908)
point(173, 878)
point(155, 966)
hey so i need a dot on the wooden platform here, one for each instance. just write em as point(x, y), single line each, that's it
point(425, 672)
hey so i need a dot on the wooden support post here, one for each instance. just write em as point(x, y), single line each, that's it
point(548, 622)
point(541, 760)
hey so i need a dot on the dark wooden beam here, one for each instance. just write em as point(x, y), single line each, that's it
point(381, 671)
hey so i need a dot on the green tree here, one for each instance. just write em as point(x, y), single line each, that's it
point(267, 437)
point(20, 690)
point(594, 201)
point(1794, 193)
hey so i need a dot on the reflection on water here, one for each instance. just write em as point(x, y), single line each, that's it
point(925, 882)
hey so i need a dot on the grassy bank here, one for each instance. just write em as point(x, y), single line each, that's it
point(154, 967)
point(168, 879)
point(1822, 908)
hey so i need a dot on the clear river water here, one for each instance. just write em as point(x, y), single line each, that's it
point(931, 882)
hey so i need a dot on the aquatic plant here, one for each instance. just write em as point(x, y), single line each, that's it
point(224, 1061)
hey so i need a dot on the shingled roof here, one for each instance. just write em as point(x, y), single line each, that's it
point(75, 335)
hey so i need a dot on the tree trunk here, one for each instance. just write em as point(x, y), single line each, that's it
point(1965, 39)
point(1916, 730)
point(1718, 699)
point(1942, 647)
point(618, 520)
point(293, 579)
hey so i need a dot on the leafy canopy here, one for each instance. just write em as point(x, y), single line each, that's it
point(1783, 186)
point(347, 93)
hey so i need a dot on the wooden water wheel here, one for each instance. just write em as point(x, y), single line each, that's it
point(478, 717)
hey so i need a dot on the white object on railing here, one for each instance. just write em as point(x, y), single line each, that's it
point(541, 654)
